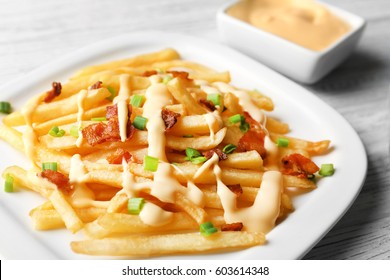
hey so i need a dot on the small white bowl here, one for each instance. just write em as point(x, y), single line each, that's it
point(297, 62)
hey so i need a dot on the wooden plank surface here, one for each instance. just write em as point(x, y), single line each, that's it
point(33, 33)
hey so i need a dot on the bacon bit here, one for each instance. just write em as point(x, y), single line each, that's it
point(210, 153)
point(180, 75)
point(111, 111)
point(149, 73)
point(96, 85)
point(57, 178)
point(55, 91)
point(94, 133)
point(167, 206)
point(98, 133)
point(232, 227)
point(130, 131)
point(207, 103)
point(251, 121)
point(252, 140)
point(236, 189)
point(170, 118)
point(118, 156)
point(298, 165)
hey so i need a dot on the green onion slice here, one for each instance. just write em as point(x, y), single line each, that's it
point(9, 183)
point(235, 119)
point(74, 131)
point(113, 93)
point(207, 229)
point(99, 119)
point(56, 132)
point(5, 107)
point(166, 79)
point(194, 156)
point(327, 169)
point(188, 136)
point(244, 126)
point(282, 142)
point(135, 204)
point(198, 160)
point(192, 153)
point(49, 165)
point(229, 148)
point(140, 122)
point(215, 98)
point(137, 100)
point(150, 163)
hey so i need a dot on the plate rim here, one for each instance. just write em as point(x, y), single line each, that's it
point(12, 87)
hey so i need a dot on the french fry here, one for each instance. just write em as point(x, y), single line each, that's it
point(177, 88)
point(140, 60)
point(65, 210)
point(314, 148)
point(47, 219)
point(138, 246)
point(44, 127)
point(275, 126)
point(261, 101)
point(140, 138)
point(194, 211)
point(12, 137)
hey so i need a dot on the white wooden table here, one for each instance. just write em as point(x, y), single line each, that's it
point(34, 32)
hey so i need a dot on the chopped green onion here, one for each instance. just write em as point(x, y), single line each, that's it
point(198, 160)
point(244, 126)
point(194, 156)
point(135, 204)
point(137, 100)
point(192, 153)
point(140, 122)
point(166, 79)
point(236, 119)
point(215, 98)
point(5, 107)
point(207, 229)
point(160, 71)
point(113, 93)
point(229, 148)
point(188, 136)
point(282, 142)
point(56, 132)
point(99, 119)
point(9, 183)
point(150, 163)
point(74, 131)
point(327, 169)
point(49, 165)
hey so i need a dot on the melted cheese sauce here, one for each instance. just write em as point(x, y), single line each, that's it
point(122, 101)
point(261, 216)
point(210, 120)
point(81, 196)
point(304, 22)
point(244, 100)
point(153, 215)
point(157, 97)
point(164, 185)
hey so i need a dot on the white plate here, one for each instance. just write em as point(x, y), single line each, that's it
point(316, 212)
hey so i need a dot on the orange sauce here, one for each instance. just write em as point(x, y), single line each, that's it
point(304, 22)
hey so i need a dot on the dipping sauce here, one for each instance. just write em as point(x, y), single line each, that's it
point(304, 22)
